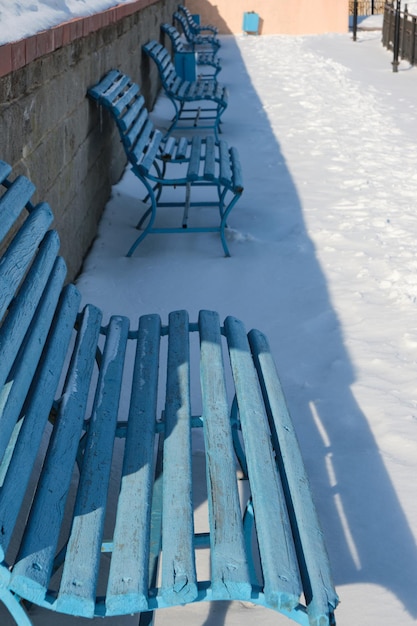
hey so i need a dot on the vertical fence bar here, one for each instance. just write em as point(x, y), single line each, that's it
point(395, 61)
point(413, 40)
point(355, 19)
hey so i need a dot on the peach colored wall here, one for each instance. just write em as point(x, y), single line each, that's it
point(287, 17)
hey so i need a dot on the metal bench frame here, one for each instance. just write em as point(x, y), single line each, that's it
point(161, 163)
point(88, 404)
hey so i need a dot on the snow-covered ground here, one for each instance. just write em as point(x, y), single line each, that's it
point(324, 260)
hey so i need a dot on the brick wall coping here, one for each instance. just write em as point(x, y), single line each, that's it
point(17, 54)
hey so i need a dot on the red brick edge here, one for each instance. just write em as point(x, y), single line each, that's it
point(17, 54)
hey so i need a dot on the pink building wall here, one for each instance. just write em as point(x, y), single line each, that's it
point(286, 17)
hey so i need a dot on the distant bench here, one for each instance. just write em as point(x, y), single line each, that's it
point(176, 162)
point(91, 406)
point(198, 104)
point(184, 52)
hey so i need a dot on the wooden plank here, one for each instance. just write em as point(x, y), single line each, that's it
point(147, 158)
point(315, 568)
point(20, 253)
point(229, 564)
point(79, 577)
point(5, 170)
point(128, 583)
point(236, 171)
point(40, 399)
point(282, 584)
point(16, 324)
point(210, 158)
point(13, 202)
point(224, 163)
point(141, 125)
point(178, 563)
point(135, 112)
point(108, 85)
point(193, 170)
point(34, 563)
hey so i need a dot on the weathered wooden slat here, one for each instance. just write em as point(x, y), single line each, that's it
point(224, 162)
point(282, 585)
point(40, 399)
point(5, 170)
point(128, 583)
point(314, 563)
point(139, 133)
point(193, 171)
point(135, 113)
point(13, 202)
point(237, 176)
point(146, 159)
point(20, 253)
point(34, 563)
point(210, 159)
point(110, 85)
point(229, 566)
point(178, 563)
point(182, 149)
point(15, 326)
point(79, 577)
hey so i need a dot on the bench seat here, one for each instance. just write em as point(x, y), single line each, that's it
point(96, 452)
point(168, 162)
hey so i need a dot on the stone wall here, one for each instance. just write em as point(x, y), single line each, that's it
point(51, 132)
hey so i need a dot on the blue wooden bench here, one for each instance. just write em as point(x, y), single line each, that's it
point(196, 40)
point(199, 104)
point(196, 27)
point(176, 162)
point(65, 443)
point(201, 58)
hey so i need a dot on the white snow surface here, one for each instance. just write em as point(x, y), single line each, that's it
point(324, 261)
point(22, 18)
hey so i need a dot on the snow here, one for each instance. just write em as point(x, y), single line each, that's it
point(323, 245)
point(324, 261)
point(22, 18)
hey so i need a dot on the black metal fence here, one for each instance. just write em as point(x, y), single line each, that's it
point(399, 33)
point(367, 7)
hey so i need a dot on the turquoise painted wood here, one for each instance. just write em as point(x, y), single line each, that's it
point(171, 162)
point(186, 57)
point(198, 104)
point(96, 454)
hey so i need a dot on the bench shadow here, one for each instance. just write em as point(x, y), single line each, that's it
point(367, 534)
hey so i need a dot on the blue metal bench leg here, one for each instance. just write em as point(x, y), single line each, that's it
point(152, 212)
point(15, 608)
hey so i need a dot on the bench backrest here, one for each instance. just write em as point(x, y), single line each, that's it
point(37, 317)
point(117, 93)
point(167, 72)
point(194, 26)
point(189, 35)
point(175, 37)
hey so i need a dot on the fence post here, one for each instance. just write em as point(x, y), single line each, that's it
point(395, 62)
point(355, 19)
